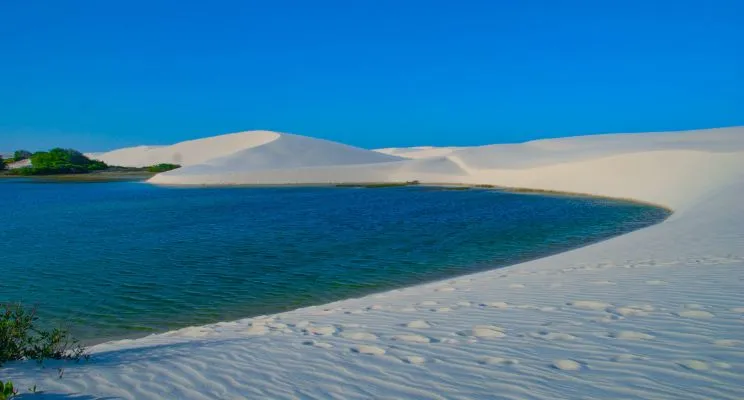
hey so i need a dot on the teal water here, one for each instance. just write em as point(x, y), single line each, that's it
point(125, 259)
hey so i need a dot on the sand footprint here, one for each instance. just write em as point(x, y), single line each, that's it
point(516, 286)
point(545, 335)
point(630, 335)
point(727, 342)
point(368, 350)
point(694, 314)
point(496, 304)
point(320, 345)
point(630, 311)
point(411, 338)
point(326, 330)
point(498, 361)
point(566, 365)
point(357, 335)
point(416, 360)
point(628, 357)
point(484, 332)
point(589, 305)
point(418, 324)
point(694, 365)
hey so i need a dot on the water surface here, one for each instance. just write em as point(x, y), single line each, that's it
point(125, 259)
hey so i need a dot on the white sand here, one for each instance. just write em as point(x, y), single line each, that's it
point(654, 314)
point(419, 152)
point(19, 164)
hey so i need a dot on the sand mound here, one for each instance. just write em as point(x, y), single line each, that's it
point(188, 153)
point(299, 159)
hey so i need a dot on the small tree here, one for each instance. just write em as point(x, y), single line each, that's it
point(2, 163)
point(20, 155)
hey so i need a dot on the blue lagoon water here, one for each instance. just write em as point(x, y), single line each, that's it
point(125, 259)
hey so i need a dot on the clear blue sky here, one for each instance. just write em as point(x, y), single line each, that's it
point(102, 74)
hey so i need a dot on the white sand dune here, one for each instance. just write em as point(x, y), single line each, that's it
point(654, 314)
point(264, 157)
point(187, 153)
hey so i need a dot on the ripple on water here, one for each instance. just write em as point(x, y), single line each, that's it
point(128, 259)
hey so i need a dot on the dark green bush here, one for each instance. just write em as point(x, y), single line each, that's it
point(60, 161)
point(2, 164)
point(162, 168)
point(22, 339)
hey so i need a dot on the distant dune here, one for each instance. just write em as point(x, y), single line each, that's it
point(579, 164)
point(261, 157)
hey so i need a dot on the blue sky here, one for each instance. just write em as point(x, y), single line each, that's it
point(102, 74)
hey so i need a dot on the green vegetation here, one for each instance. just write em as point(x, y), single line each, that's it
point(378, 185)
point(21, 339)
point(6, 390)
point(485, 186)
point(2, 163)
point(59, 161)
point(162, 168)
point(21, 155)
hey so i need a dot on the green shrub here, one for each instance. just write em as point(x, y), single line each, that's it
point(21, 339)
point(162, 168)
point(7, 391)
point(2, 164)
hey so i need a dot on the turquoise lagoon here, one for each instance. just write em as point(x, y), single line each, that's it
point(126, 259)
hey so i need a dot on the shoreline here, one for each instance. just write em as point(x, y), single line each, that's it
point(443, 185)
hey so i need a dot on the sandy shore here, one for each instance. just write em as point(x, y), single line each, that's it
point(655, 314)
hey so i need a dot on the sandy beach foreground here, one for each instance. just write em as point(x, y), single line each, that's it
point(655, 314)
